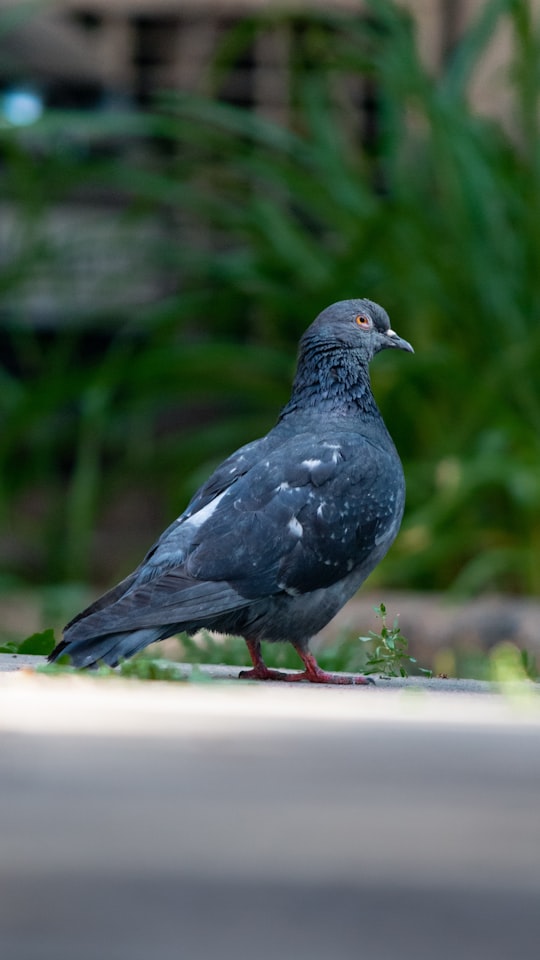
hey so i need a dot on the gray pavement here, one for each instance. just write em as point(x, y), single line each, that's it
point(10, 662)
point(270, 822)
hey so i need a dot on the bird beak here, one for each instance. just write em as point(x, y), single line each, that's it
point(395, 341)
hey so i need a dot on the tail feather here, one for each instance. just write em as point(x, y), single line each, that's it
point(171, 602)
point(109, 648)
point(134, 614)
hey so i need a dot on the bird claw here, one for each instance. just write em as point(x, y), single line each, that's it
point(312, 676)
point(321, 676)
point(262, 673)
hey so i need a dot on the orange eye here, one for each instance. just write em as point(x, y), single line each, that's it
point(362, 320)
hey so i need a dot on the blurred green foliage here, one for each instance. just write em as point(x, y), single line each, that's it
point(260, 225)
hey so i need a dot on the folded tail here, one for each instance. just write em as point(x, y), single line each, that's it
point(109, 648)
point(132, 615)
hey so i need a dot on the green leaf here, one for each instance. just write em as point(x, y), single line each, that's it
point(39, 644)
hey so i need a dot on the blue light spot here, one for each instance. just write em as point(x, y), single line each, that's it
point(21, 106)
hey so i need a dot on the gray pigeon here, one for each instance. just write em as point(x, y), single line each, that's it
point(285, 531)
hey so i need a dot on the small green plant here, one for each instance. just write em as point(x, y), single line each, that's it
point(140, 668)
point(38, 644)
point(391, 652)
point(508, 664)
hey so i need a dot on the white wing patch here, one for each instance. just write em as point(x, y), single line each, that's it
point(197, 519)
point(295, 527)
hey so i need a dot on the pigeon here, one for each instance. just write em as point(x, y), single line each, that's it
point(285, 531)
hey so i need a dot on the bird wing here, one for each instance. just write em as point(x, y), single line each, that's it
point(300, 519)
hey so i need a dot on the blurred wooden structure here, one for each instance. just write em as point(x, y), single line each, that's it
point(131, 48)
point(98, 55)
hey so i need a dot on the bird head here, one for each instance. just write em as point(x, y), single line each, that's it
point(362, 325)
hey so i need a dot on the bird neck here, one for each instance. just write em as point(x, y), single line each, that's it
point(332, 380)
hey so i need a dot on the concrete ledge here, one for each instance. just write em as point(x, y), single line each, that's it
point(12, 662)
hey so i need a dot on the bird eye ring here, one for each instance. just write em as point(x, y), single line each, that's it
point(362, 320)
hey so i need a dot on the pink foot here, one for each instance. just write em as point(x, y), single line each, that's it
point(314, 674)
point(262, 672)
point(321, 676)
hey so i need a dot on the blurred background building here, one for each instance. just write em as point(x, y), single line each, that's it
point(110, 55)
point(82, 54)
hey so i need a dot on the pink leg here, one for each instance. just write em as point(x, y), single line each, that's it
point(313, 672)
point(260, 670)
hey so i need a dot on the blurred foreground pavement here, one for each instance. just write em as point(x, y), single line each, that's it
point(266, 822)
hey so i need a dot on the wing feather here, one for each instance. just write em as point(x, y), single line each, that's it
point(299, 519)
